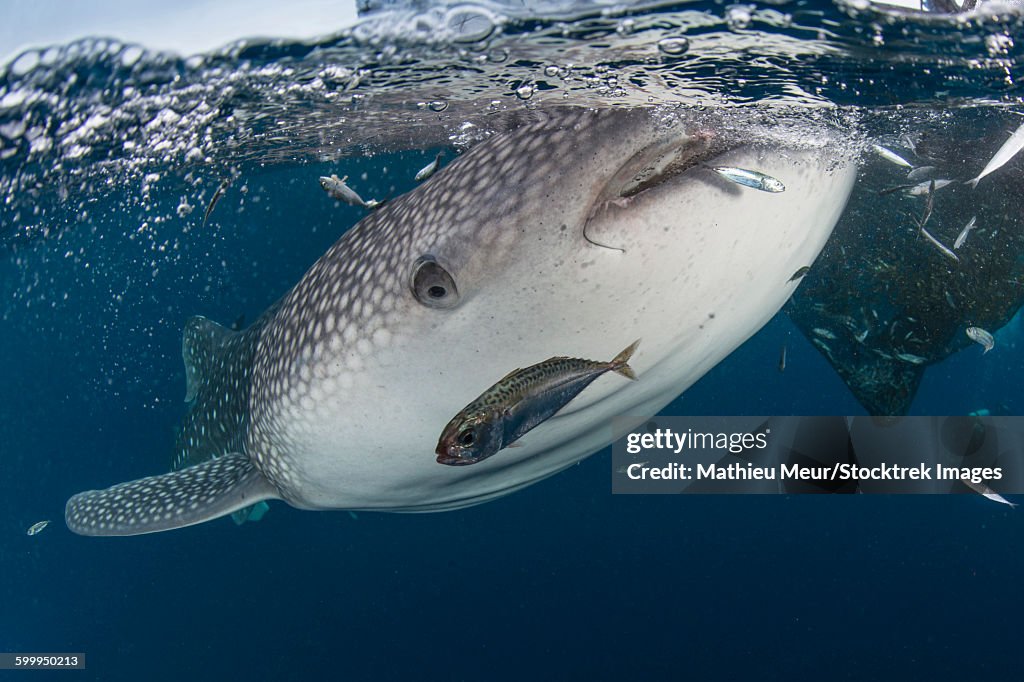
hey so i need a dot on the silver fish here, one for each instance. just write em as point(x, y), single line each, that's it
point(962, 237)
point(625, 468)
point(921, 173)
point(782, 359)
point(337, 189)
point(214, 199)
point(1009, 150)
point(980, 336)
point(430, 168)
point(984, 490)
point(750, 178)
point(825, 333)
point(912, 359)
point(519, 402)
point(939, 245)
point(37, 527)
point(929, 205)
point(925, 188)
point(891, 156)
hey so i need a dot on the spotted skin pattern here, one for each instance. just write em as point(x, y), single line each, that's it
point(190, 496)
point(217, 369)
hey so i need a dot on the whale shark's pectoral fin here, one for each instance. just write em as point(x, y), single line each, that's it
point(181, 498)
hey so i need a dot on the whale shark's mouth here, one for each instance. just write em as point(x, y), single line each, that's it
point(650, 168)
point(659, 162)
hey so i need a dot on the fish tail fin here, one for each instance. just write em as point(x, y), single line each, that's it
point(620, 363)
point(973, 182)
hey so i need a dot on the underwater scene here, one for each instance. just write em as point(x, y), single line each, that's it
point(313, 347)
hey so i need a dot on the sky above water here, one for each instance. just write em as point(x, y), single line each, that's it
point(183, 26)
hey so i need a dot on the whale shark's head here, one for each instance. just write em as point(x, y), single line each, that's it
point(572, 235)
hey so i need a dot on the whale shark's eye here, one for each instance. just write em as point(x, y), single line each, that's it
point(432, 285)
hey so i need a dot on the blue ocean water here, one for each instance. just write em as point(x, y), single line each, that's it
point(559, 581)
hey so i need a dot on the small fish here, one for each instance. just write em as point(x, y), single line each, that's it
point(962, 237)
point(893, 190)
point(984, 490)
point(980, 336)
point(929, 205)
point(891, 156)
point(912, 359)
point(1005, 153)
point(37, 527)
point(430, 168)
point(749, 178)
point(782, 359)
point(520, 401)
point(925, 188)
point(353, 516)
point(825, 333)
point(214, 199)
point(625, 469)
point(800, 273)
point(922, 173)
point(939, 245)
point(863, 335)
point(337, 189)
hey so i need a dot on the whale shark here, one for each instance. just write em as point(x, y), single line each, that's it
point(573, 233)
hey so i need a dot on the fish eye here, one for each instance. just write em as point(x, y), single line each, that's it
point(466, 437)
point(432, 285)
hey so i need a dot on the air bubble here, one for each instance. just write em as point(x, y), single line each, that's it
point(25, 63)
point(525, 91)
point(131, 55)
point(470, 25)
point(497, 56)
point(738, 17)
point(674, 45)
point(438, 105)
